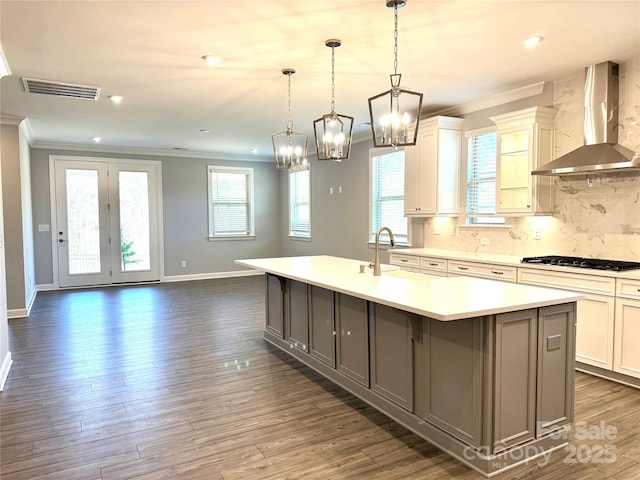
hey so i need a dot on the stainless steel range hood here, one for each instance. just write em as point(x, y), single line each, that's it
point(601, 152)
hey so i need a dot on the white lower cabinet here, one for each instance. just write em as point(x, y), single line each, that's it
point(626, 358)
point(483, 270)
point(594, 337)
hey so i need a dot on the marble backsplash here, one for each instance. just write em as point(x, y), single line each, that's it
point(599, 219)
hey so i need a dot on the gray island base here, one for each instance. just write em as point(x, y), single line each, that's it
point(482, 369)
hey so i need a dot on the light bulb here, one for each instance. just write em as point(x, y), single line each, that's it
point(405, 119)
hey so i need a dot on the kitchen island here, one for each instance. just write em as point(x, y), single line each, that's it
point(482, 369)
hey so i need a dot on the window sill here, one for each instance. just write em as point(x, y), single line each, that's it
point(232, 238)
point(299, 238)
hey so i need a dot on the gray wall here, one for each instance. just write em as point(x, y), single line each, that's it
point(184, 197)
point(339, 222)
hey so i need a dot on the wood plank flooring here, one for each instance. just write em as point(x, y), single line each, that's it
point(175, 381)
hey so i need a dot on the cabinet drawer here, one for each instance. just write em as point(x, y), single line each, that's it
point(483, 270)
point(404, 260)
point(568, 281)
point(429, 263)
point(628, 288)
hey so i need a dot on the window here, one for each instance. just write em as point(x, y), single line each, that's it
point(230, 202)
point(300, 204)
point(481, 178)
point(387, 194)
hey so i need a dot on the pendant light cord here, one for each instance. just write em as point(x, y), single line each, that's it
point(395, 40)
point(289, 122)
point(333, 80)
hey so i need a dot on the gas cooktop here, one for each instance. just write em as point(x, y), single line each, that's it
point(595, 263)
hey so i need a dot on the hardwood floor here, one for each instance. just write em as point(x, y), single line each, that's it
point(175, 381)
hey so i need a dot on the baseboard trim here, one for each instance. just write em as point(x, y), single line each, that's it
point(45, 287)
point(208, 276)
point(4, 371)
point(17, 313)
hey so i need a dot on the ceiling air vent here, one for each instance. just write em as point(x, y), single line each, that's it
point(61, 89)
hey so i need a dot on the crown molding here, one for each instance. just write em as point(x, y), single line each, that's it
point(498, 99)
point(11, 120)
point(27, 131)
point(150, 152)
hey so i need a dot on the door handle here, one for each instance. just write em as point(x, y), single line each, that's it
point(61, 240)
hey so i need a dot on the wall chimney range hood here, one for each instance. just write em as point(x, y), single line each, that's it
point(601, 152)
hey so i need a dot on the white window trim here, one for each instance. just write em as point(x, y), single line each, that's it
point(472, 219)
point(249, 173)
point(300, 237)
point(375, 152)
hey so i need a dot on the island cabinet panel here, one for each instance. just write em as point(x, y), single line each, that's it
point(449, 377)
point(296, 314)
point(352, 322)
point(516, 338)
point(555, 377)
point(391, 354)
point(322, 331)
point(274, 301)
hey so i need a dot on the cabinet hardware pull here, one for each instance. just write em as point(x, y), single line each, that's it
point(404, 260)
point(497, 272)
point(463, 268)
point(433, 264)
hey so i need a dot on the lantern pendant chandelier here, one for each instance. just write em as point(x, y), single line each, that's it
point(333, 131)
point(395, 114)
point(290, 147)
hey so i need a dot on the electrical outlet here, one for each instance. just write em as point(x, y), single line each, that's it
point(183, 264)
point(484, 241)
point(452, 231)
point(436, 230)
point(536, 234)
point(339, 189)
point(330, 190)
point(553, 342)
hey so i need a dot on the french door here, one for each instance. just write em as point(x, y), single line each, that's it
point(107, 221)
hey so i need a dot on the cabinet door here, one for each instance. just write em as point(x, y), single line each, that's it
point(627, 337)
point(274, 300)
point(322, 344)
point(428, 174)
point(556, 329)
point(391, 354)
point(516, 338)
point(297, 314)
point(449, 145)
point(594, 335)
point(514, 171)
point(449, 377)
point(352, 321)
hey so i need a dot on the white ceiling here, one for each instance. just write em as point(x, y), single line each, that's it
point(150, 53)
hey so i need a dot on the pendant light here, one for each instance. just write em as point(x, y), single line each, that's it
point(333, 131)
point(395, 114)
point(290, 147)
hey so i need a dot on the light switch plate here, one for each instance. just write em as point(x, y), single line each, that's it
point(553, 342)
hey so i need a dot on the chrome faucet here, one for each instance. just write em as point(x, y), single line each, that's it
point(376, 260)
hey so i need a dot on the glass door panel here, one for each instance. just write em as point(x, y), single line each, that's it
point(134, 221)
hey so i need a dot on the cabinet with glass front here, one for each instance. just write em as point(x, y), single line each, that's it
point(524, 142)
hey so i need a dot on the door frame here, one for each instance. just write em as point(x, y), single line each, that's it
point(110, 161)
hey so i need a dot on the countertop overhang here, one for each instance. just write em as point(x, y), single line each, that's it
point(440, 298)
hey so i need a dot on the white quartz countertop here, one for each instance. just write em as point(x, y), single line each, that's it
point(436, 297)
point(509, 260)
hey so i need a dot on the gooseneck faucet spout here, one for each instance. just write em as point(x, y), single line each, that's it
point(376, 260)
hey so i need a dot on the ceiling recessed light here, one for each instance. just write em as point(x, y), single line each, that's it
point(254, 150)
point(532, 41)
point(96, 139)
point(205, 130)
point(116, 98)
point(211, 60)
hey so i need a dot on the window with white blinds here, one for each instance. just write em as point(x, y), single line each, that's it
point(230, 202)
point(481, 178)
point(387, 194)
point(300, 204)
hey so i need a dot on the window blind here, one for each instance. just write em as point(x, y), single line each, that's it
point(300, 204)
point(481, 178)
point(387, 195)
point(230, 209)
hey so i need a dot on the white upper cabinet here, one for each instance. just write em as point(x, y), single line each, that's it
point(432, 169)
point(525, 142)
